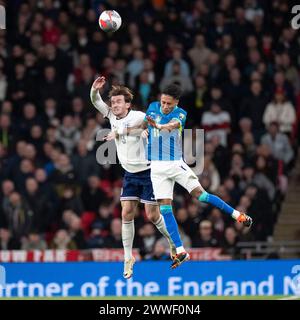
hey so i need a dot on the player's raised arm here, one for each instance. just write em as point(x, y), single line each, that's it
point(96, 98)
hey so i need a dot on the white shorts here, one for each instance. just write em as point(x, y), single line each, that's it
point(164, 174)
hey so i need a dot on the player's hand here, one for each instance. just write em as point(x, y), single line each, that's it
point(145, 134)
point(99, 83)
point(111, 136)
point(151, 122)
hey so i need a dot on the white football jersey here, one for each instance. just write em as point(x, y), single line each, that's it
point(130, 148)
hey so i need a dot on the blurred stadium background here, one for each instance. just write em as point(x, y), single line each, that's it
point(238, 65)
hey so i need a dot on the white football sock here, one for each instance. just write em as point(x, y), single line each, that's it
point(235, 214)
point(180, 250)
point(161, 226)
point(127, 238)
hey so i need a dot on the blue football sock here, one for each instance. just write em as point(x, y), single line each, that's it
point(216, 201)
point(171, 224)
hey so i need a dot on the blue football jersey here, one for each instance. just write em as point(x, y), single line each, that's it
point(165, 145)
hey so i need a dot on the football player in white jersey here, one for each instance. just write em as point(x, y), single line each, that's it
point(137, 185)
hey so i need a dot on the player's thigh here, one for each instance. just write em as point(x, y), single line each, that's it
point(162, 187)
point(130, 189)
point(146, 189)
point(186, 177)
point(129, 208)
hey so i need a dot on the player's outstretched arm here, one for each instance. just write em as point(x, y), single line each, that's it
point(137, 129)
point(96, 99)
point(173, 124)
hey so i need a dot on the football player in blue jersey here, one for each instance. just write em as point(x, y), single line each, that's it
point(166, 121)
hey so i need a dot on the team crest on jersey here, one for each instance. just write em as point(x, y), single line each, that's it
point(181, 116)
point(158, 118)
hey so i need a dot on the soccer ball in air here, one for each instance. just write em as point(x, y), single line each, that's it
point(110, 20)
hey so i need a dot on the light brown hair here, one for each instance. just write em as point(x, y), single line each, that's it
point(121, 91)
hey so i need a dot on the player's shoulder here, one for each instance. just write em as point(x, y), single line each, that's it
point(155, 105)
point(137, 113)
point(180, 110)
point(180, 113)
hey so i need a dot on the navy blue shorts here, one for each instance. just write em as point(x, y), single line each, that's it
point(138, 186)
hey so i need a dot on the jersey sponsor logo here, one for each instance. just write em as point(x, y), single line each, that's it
point(181, 116)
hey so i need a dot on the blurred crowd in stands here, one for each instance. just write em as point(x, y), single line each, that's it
point(237, 63)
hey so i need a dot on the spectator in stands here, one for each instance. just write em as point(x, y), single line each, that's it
point(230, 241)
point(18, 217)
point(205, 237)
point(235, 89)
point(278, 143)
point(89, 132)
point(51, 86)
point(181, 79)
point(70, 201)
point(92, 194)
point(145, 239)
point(211, 173)
point(7, 187)
point(281, 111)
point(160, 251)
point(51, 112)
point(216, 122)
point(253, 107)
point(33, 242)
point(184, 221)
point(63, 174)
point(7, 136)
point(68, 134)
point(217, 220)
point(84, 163)
point(196, 100)
point(96, 238)
point(36, 141)
point(199, 53)
point(7, 242)
point(38, 202)
point(19, 90)
point(62, 241)
point(135, 66)
point(261, 209)
point(3, 85)
point(249, 145)
point(258, 177)
point(184, 69)
point(114, 240)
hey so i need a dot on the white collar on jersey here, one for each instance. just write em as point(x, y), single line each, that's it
point(125, 116)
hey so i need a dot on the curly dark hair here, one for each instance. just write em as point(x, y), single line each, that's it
point(172, 90)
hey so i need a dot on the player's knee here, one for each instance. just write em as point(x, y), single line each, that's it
point(164, 202)
point(127, 215)
point(152, 213)
point(197, 192)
